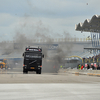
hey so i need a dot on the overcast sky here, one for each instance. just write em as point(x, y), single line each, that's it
point(50, 17)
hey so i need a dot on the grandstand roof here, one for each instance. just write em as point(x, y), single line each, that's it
point(89, 25)
point(82, 55)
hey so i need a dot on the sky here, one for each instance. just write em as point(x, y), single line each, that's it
point(53, 18)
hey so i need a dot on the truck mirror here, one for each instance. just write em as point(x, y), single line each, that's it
point(43, 55)
point(23, 54)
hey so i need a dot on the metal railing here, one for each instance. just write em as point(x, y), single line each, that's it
point(55, 40)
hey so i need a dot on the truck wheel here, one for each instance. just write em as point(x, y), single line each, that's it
point(37, 72)
point(1, 66)
point(40, 71)
point(25, 72)
point(6, 67)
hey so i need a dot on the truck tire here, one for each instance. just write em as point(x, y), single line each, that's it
point(1, 66)
point(6, 67)
point(39, 71)
point(25, 71)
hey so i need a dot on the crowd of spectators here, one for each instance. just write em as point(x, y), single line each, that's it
point(92, 63)
point(88, 67)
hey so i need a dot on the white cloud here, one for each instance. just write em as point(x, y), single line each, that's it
point(55, 16)
point(6, 19)
point(30, 25)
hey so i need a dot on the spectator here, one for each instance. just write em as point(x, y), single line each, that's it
point(61, 66)
point(88, 67)
point(98, 68)
point(82, 67)
point(93, 67)
point(79, 66)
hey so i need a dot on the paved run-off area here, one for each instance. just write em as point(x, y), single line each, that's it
point(48, 86)
point(50, 91)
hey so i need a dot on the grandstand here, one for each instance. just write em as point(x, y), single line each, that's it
point(90, 53)
point(93, 26)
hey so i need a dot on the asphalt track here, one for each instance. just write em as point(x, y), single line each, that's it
point(48, 86)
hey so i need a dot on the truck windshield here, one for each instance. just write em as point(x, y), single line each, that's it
point(33, 55)
point(5, 61)
point(1, 60)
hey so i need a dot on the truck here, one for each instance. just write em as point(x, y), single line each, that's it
point(4, 64)
point(32, 59)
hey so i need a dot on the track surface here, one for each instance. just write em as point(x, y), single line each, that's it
point(15, 85)
point(32, 77)
point(50, 91)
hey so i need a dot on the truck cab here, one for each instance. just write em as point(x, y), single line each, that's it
point(32, 59)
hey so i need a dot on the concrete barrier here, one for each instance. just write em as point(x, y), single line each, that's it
point(81, 72)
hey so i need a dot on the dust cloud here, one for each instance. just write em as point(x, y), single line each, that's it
point(32, 34)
